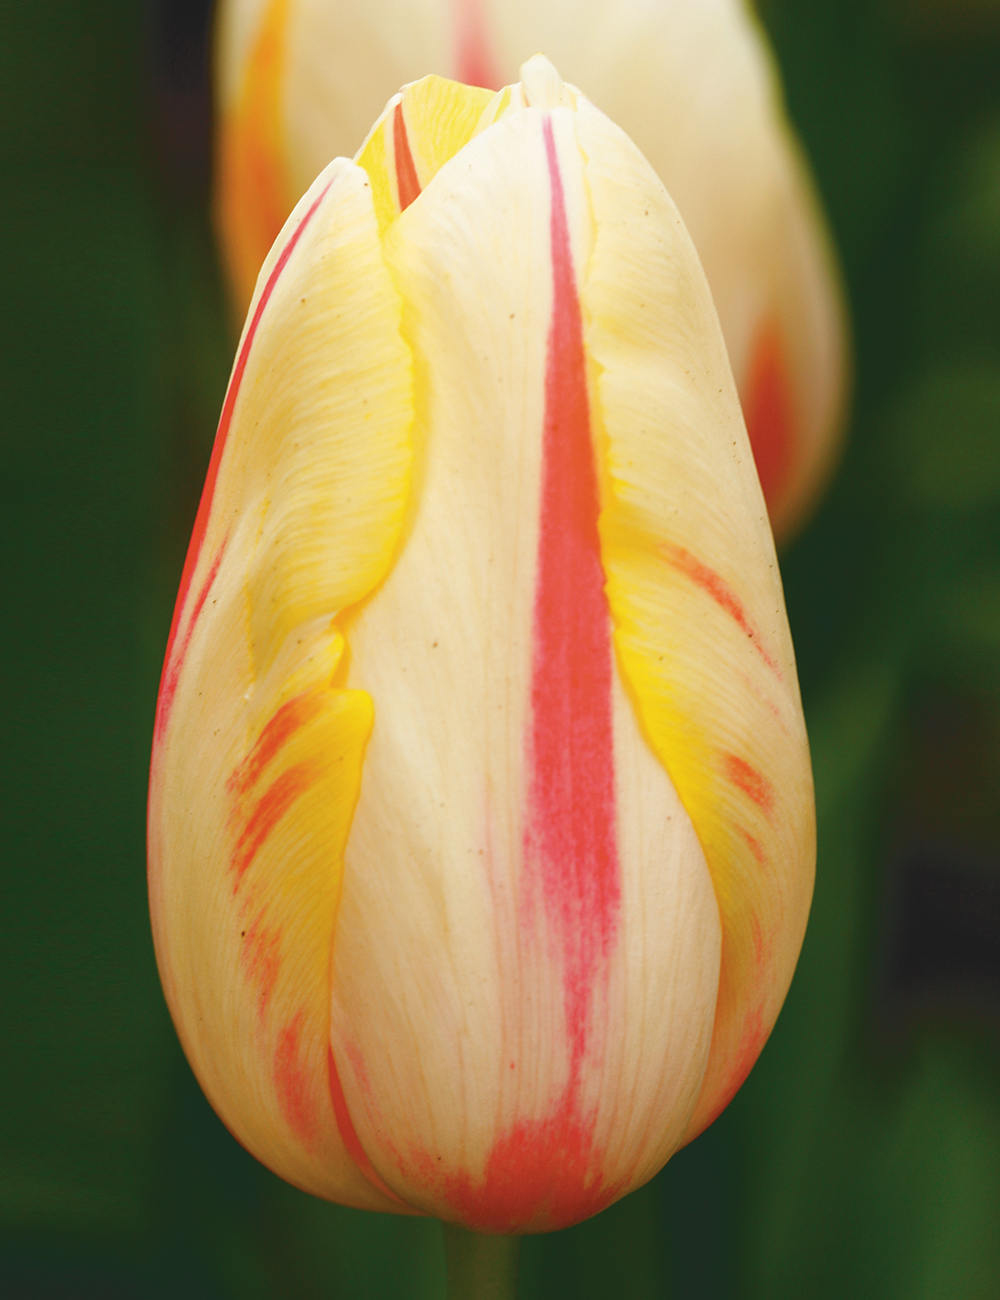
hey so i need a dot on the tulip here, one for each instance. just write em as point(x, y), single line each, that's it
point(481, 825)
point(691, 81)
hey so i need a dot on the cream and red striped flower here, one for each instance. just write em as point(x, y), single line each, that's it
point(691, 81)
point(481, 824)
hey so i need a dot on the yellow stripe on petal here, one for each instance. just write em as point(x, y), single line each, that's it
point(254, 195)
point(420, 129)
point(259, 746)
point(694, 590)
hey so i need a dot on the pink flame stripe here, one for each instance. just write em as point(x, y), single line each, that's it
point(571, 839)
point(546, 1172)
point(172, 665)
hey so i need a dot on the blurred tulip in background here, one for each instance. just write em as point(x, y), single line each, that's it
point(691, 81)
point(481, 819)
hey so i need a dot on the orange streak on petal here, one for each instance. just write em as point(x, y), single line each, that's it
point(754, 845)
point(292, 1085)
point(757, 939)
point(260, 957)
point(292, 715)
point(720, 591)
point(267, 812)
point(753, 783)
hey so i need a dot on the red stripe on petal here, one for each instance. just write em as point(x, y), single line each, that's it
point(171, 664)
point(769, 413)
point(348, 1133)
point(171, 675)
point(407, 185)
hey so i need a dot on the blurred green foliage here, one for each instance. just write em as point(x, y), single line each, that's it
point(862, 1157)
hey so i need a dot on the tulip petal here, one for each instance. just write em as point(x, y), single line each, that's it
point(421, 128)
point(258, 750)
point(523, 992)
point(695, 592)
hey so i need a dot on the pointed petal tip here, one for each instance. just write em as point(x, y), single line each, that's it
point(541, 83)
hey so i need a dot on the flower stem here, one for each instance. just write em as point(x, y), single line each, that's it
point(480, 1267)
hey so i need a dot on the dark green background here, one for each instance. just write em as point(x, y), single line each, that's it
point(863, 1156)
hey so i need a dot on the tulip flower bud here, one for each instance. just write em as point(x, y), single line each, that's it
point(691, 81)
point(481, 824)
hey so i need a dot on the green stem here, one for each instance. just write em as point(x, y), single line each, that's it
point(479, 1267)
